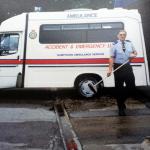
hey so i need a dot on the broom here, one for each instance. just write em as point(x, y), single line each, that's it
point(93, 87)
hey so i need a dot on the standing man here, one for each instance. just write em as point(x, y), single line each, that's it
point(121, 51)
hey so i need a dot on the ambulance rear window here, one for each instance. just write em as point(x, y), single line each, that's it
point(79, 33)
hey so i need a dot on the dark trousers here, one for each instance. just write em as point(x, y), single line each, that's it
point(123, 76)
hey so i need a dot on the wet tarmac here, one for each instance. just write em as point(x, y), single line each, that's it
point(28, 122)
point(103, 128)
point(28, 128)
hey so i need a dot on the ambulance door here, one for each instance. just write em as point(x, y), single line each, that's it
point(10, 62)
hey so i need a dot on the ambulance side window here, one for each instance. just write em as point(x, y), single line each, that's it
point(80, 33)
point(107, 32)
point(8, 44)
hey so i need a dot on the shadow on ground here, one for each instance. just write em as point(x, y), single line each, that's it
point(38, 95)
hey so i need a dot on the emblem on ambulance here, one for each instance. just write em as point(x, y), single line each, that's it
point(33, 34)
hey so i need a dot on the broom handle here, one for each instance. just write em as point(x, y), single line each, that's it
point(112, 72)
point(120, 66)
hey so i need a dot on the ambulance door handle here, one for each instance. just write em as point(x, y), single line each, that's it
point(18, 57)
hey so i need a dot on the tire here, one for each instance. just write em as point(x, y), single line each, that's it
point(19, 81)
point(83, 88)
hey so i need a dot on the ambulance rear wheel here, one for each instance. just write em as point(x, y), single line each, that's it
point(83, 87)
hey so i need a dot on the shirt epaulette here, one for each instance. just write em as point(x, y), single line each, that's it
point(115, 42)
point(127, 40)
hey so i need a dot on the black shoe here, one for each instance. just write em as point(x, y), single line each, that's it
point(122, 112)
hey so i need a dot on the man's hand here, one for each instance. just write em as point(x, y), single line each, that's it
point(133, 55)
point(109, 73)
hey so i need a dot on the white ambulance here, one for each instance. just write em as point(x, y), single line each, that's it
point(68, 49)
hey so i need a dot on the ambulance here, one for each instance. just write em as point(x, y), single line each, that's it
point(68, 49)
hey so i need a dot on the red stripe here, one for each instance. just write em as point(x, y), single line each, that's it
point(10, 61)
point(77, 61)
point(138, 60)
point(68, 61)
point(65, 61)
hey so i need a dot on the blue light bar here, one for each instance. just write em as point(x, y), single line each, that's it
point(123, 3)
